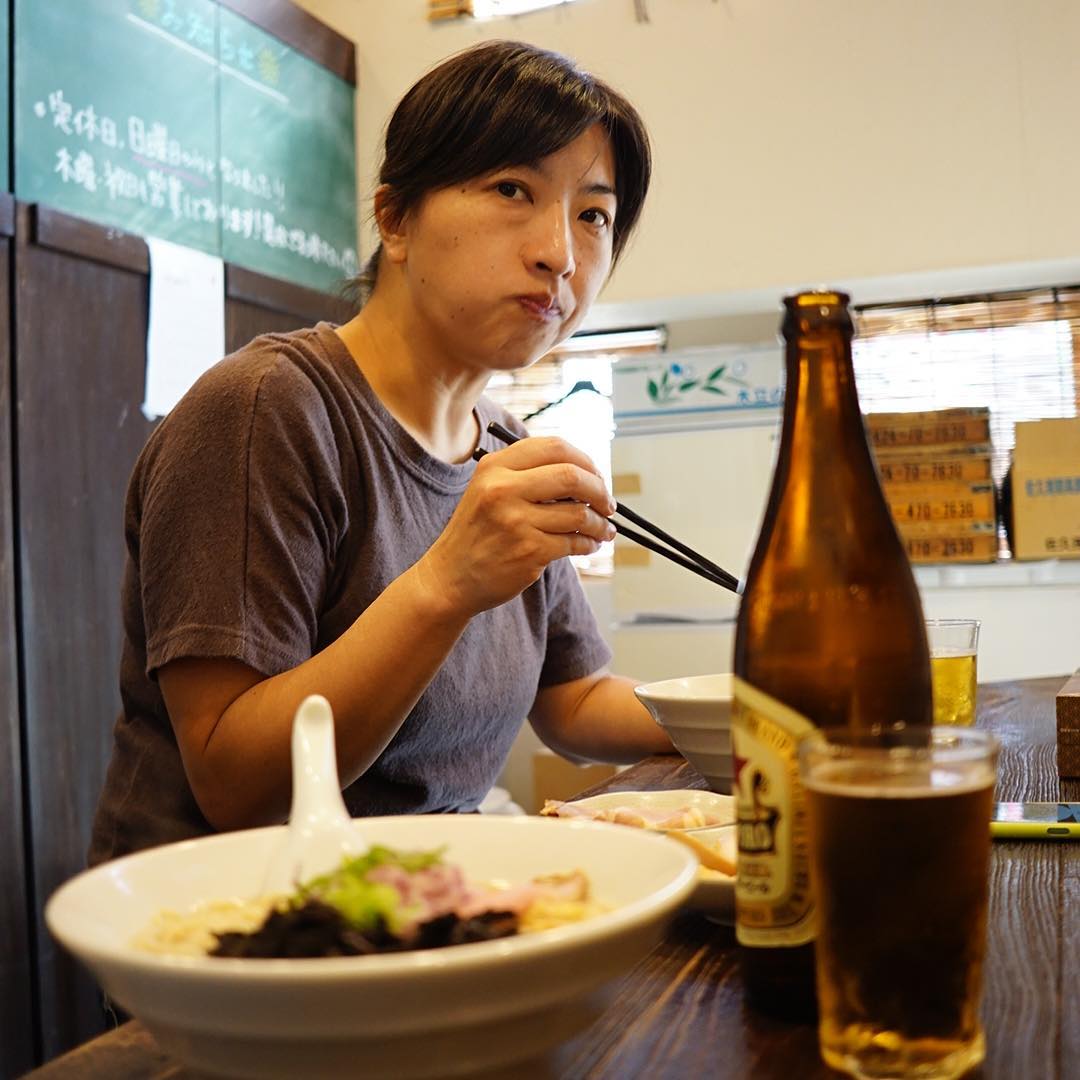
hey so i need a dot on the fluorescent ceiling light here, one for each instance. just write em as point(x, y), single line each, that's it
point(648, 337)
point(493, 9)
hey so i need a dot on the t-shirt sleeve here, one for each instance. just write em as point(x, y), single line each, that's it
point(575, 647)
point(240, 514)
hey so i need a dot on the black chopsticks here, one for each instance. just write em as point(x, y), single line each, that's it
point(686, 557)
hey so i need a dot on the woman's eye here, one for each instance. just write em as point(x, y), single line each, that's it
point(510, 189)
point(595, 216)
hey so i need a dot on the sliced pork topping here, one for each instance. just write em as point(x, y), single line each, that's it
point(643, 817)
point(382, 901)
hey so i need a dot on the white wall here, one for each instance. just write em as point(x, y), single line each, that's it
point(800, 141)
point(902, 148)
point(1027, 610)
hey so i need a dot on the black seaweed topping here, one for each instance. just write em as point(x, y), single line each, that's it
point(315, 929)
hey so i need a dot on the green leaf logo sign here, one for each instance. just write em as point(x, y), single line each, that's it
point(713, 385)
point(678, 380)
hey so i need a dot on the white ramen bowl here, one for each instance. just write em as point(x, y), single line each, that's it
point(695, 711)
point(455, 1010)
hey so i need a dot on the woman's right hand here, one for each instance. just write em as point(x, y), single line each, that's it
point(527, 505)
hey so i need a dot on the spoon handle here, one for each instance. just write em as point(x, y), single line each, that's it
point(320, 832)
point(316, 796)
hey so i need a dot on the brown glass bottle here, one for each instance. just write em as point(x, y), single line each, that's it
point(830, 632)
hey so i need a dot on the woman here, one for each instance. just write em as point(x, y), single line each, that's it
point(309, 518)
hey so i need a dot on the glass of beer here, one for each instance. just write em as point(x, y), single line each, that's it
point(954, 644)
point(899, 856)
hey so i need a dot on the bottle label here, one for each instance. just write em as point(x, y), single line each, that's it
point(773, 902)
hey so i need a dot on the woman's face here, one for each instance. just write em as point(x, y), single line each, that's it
point(502, 267)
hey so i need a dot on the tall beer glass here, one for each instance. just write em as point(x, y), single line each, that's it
point(899, 854)
point(954, 644)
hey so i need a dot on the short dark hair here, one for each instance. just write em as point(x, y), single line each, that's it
point(508, 103)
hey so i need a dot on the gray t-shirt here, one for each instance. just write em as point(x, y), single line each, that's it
point(266, 512)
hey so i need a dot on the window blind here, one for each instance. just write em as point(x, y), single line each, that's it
point(1017, 352)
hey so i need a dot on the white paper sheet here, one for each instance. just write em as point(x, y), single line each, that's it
point(186, 332)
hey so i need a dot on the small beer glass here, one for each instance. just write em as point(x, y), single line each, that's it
point(954, 644)
point(899, 855)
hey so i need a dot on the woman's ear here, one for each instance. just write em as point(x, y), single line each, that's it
point(391, 224)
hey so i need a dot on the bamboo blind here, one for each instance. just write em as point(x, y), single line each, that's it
point(974, 350)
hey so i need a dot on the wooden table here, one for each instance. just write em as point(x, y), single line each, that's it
point(680, 1012)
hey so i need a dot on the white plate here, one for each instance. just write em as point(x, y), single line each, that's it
point(715, 892)
point(708, 802)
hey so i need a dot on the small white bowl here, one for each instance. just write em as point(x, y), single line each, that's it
point(695, 711)
point(434, 1012)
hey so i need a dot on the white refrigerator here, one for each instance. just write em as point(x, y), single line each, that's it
point(696, 433)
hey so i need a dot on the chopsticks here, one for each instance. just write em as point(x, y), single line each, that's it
point(708, 856)
point(683, 555)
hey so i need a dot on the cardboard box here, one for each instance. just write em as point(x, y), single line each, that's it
point(888, 430)
point(941, 501)
point(967, 462)
point(556, 778)
point(977, 527)
point(976, 548)
point(1046, 490)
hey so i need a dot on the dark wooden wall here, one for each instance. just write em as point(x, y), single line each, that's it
point(256, 304)
point(16, 975)
point(80, 339)
point(80, 357)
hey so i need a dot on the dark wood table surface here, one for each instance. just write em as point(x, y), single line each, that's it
point(680, 1012)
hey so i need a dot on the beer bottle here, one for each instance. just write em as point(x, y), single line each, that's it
point(829, 633)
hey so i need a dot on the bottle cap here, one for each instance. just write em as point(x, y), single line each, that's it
point(818, 298)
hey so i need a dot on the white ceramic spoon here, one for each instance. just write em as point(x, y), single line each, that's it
point(320, 832)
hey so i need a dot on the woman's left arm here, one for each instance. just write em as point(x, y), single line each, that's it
point(597, 718)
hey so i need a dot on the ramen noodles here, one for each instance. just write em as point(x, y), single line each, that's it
point(383, 901)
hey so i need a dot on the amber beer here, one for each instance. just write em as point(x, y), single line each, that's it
point(830, 633)
point(954, 646)
point(900, 853)
point(953, 678)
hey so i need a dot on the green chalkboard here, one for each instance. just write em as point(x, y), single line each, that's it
point(180, 119)
point(288, 166)
point(116, 115)
point(5, 83)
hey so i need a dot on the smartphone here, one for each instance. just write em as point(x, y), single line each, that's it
point(1036, 820)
